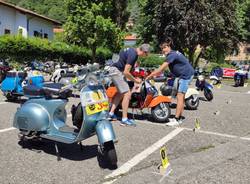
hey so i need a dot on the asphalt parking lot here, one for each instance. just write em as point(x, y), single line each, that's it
point(218, 153)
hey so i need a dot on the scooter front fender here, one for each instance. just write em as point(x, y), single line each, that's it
point(208, 86)
point(105, 131)
point(190, 92)
point(159, 99)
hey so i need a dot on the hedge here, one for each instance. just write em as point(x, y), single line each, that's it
point(23, 49)
point(153, 60)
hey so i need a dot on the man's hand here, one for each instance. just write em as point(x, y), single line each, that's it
point(149, 77)
point(138, 80)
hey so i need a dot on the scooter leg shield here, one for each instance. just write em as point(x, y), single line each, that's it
point(190, 92)
point(105, 131)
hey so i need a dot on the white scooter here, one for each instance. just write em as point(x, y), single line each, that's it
point(191, 96)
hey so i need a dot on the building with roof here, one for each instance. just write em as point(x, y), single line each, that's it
point(243, 55)
point(17, 20)
point(130, 40)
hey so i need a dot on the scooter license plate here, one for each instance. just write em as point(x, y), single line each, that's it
point(95, 108)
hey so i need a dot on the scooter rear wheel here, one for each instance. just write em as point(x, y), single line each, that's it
point(161, 112)
point(192, 103)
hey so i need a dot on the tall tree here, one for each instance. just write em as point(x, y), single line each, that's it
point(191, 23)
point(87, 26)
point(52, 8)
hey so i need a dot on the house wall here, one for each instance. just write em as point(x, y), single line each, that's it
point(7, 19)
point(41, 26)
point(21, 23)
point(14, 20)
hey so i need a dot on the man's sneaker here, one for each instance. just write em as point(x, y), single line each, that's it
point(174, 122)
point(112, 117)
point(128, 122)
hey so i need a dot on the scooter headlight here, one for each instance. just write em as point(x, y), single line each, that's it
point(201, 78)
point(92, 80)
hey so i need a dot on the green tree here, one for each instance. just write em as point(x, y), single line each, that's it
point(86, 26)
point(207, 23)
point(51, 8)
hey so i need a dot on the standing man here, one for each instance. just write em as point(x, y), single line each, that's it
point(127, 60)
point(180, 67)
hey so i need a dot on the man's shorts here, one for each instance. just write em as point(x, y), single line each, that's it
point(119, 80)
point(183, 85)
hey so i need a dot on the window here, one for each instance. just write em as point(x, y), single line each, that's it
point(38, 34)
point(45, 35)
point(6, 31)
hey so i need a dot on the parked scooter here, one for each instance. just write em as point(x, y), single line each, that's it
point(170, 89)
point(44, 116)
point(146, 96)
point(202, 85)
point(240, 78)
point(216, 75)
point(12, 86)
point(4, 68)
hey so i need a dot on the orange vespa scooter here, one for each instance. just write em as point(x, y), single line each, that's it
point(146, 96)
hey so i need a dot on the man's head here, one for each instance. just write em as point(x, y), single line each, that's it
point(143, 50)
point(167, 45)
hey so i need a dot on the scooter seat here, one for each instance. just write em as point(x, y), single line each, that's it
point(68, 75)
point(55, 89)
point(48, 90)
point(16, 74)
point(31, 90)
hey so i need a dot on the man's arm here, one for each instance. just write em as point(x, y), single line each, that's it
point(128, 75)
point(159, 70)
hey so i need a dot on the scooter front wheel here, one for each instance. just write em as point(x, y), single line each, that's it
point(161, 112)
point(208, 94)
point(108, 151)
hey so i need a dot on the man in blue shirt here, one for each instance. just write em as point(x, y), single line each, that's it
point(180, 67)
point(122, 68)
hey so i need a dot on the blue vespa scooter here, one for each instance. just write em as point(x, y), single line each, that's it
point(12, 85)
point(44, 116)
point(202, 85)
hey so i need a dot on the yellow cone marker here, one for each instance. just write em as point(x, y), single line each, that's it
point(197, 125)
point(165, 168)
point(218, 86)
point(245, 85)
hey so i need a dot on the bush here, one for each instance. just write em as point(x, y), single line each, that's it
point(22, 49)
point(153, 60)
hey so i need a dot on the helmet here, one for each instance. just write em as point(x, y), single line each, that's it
point(166, 90)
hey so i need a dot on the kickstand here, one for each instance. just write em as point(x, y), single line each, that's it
point(133, 113)
point(81, 146)
point(57, 152)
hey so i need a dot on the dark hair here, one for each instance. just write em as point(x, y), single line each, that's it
point(167, 42)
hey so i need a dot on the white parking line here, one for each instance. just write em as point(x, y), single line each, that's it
point(7, 129)
point(204, 132)
point(125, 168)
point(219, 134)
point(1, 103)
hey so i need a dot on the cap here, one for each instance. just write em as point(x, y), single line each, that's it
point(145, 47)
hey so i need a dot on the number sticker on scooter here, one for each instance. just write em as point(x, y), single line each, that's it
point(95, 108)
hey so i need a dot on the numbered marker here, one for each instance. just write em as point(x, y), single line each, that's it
point(197, 124)
point(245, 85)
point(218, 86)
point(164, 158)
